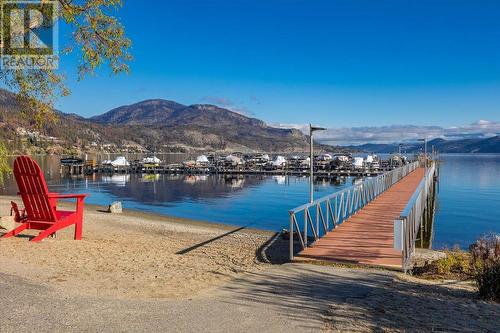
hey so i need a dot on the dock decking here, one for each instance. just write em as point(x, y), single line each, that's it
point(367, 237)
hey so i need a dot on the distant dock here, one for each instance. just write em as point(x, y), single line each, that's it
point(291, 172)
point(168, 169)
point(327, 168)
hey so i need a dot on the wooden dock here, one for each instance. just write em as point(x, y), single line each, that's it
point(367, 237)
point(222, 171)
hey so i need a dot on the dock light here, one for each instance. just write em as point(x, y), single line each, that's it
point(312, 129)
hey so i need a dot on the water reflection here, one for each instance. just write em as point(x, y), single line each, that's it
point(168, 189)
point(117, 180)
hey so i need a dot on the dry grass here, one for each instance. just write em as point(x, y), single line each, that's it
point(455, 266)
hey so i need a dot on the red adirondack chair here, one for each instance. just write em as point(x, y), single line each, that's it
point(40, 205)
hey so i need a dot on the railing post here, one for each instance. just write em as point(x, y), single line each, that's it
point(399, 231)
point(328, 215)
point(291, 237)
point(317, 220)
point(306, 211)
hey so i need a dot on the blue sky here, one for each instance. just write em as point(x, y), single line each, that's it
point(339, 64)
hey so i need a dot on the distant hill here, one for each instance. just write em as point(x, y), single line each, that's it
point(158, 125)
point(203, 125)
point(149, 112)
point(489, 145)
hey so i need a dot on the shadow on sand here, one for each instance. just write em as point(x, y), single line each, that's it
point(194, 247)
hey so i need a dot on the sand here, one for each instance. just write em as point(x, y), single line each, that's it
point(133, 255)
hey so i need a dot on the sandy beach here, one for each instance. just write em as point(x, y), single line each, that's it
point(133, 255)
point(137, 272)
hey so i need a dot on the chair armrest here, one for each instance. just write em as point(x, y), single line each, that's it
point(66, 196)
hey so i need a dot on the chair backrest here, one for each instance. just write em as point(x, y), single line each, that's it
point(33, 190)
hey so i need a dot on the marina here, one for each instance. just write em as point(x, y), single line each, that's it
point(325, 165)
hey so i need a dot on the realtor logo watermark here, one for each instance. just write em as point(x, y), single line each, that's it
point(29, 35)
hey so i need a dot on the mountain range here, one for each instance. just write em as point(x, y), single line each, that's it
point(154, 125)
point(168, 126)
point(471, 145)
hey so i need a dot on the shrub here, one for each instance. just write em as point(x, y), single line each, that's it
point(455, 266)
point(456, 262)
point(485, 266)
point(4, 162)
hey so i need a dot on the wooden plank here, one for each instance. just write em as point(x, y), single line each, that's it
point(366, 238)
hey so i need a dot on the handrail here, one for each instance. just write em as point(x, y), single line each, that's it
point(339, 206)
point(407, 225)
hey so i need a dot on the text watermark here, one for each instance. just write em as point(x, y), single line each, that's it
point(29, 35)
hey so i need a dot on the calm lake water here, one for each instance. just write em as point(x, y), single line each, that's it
point(467, 207)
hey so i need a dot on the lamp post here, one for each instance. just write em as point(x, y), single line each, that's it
point(312, 129)
point(425, 154)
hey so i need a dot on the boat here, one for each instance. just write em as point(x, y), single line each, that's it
point(299, 162)
point(358, 163)
point(150, 162)
point(324, 157)
point(257, 159)
point(306, 163)
point(397, 159)
point(372, 161)
point(234, 160)
point(264, 157)
point(279, 162)
point(341, 157)
point(322, 161)
point(202, 161)
point(340, 161)
point(71, 160)
point(120, 161)
point(189, 163)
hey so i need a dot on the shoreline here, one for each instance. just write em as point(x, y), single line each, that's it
point(185, 221)
point(160, 217)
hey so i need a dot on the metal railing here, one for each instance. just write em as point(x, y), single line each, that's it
point(324, 214)
point(407, 225)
